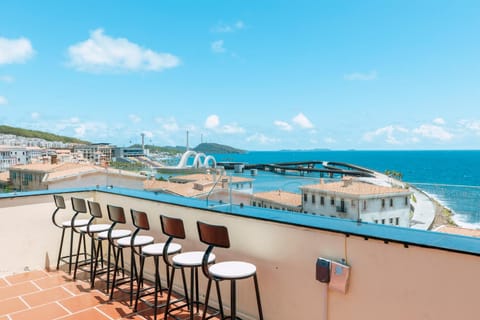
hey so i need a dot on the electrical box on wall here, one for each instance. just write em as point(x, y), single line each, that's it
point(339, 276)
point(322, 272)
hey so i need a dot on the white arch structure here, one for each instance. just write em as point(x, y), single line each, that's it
point(197, 160)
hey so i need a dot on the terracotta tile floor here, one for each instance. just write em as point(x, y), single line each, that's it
point(43, 295)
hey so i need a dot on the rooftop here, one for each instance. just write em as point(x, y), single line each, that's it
point(358, 188)
point(279, 196)
point(460, 231)
point(284, 246)
point(45, 295)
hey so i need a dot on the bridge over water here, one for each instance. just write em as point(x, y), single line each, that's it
point(327, 168)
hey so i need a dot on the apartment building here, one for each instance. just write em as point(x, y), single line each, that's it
point(278, 199)
point(357, 200)
point(40, 176)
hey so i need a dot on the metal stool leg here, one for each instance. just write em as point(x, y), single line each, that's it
point(257, 291)
point(61, 247)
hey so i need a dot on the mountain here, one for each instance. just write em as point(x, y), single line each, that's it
point(39, 134)
point(215, 148)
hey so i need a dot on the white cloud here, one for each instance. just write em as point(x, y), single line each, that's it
point(134, 118)
point(472, 125)
point(217, 46)
point(282, 125)
point(231, 129)
point(225, 28)
point(103, 53)
point(80, 130)
point(261, 138)
point(329, 140)
point(301, 120)
point(35, 115)
point(389, 132)
point(433, 132)
point(148, 134)
point(6, 79)
point(212, 121)
point(357, 76)
point(15, 50)
point(168, 124)
point(3, 101)
point(439, 121)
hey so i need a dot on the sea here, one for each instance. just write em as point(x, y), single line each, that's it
point(451, 177)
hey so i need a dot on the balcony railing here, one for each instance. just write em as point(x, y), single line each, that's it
point(390, 266)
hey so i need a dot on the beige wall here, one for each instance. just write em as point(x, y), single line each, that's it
point(98, 178)
point(388, 281)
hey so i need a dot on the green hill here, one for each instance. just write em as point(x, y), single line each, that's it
point(39, 134)
point(215, 148)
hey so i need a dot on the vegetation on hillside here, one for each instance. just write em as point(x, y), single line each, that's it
point(158, 149)
point(394, 174)
point(210, 148)
point(39, 134)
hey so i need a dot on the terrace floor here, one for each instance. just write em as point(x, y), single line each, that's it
point(43, 295)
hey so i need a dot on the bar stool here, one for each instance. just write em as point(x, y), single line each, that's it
point(111, 235)
point(217, 236)
point(188, 260)
point(91, 230)
point(155, 250)
point(60, 204)
point(133, 242)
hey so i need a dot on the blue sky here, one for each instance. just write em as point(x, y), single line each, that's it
point(257, 75)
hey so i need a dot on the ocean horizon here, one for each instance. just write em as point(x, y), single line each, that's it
point(452, 177)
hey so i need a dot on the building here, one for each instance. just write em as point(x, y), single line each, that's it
point(97, 153)
point(14, 155)
point(358, 200)
point(279, 200)
point(40, 176)
point(215, 187)
point(124, 152)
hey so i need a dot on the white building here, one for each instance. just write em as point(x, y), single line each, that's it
point(41, 176)
point(357, 200)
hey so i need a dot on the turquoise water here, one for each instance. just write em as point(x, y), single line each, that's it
point(452, 177)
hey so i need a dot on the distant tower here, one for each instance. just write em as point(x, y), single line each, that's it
point(187, 141)
point(143, 141)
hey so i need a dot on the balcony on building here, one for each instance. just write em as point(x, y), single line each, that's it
point(395, 272)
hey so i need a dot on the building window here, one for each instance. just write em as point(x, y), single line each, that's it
point(254, 203)
point(383, 221)
point(304, 197)
point(383, 203)
point(313, 198)
point(322, 200)
point(397, 221)
point(391, 203)
point(406, 201)
point(376, 221)
point(364, 204)
point(390, 220)
point(332, 201)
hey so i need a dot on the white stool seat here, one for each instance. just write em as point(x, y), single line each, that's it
point(156, 249)
point(232, 270)
point(95, 228)
point(116, 234)
point(191, 259)
point(78, 223)
point(139, 241)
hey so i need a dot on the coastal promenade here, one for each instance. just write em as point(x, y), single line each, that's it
point(423, 205)
point(424, 210)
